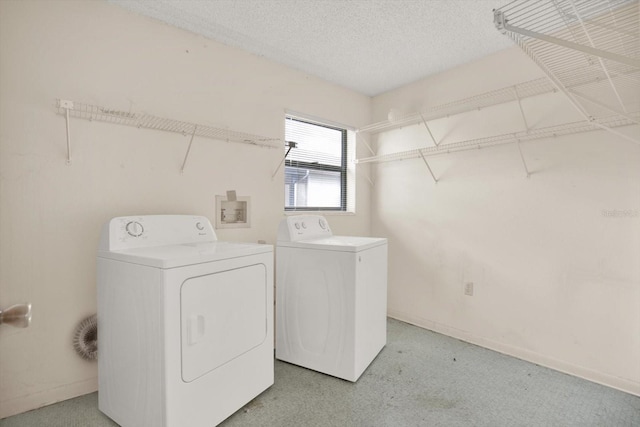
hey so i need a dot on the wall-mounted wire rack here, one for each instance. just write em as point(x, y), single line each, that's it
point(477, 102)
point(487, 99)
point(589, 49)
point(522, 136)
point(146, 121)
point(499, 96)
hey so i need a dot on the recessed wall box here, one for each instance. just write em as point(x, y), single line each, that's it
point(233, 213)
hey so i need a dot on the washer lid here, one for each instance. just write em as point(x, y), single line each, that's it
point(172, 256)
point(337, 243)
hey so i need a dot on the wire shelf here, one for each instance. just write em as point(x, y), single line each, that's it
point(147, 121)
point(590, 49)
point(530, 135)
point(487, 99)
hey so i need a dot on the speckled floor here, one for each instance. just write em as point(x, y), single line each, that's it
point(419, 379)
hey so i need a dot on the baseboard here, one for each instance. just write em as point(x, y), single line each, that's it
point(621, 384)
point(26, 403)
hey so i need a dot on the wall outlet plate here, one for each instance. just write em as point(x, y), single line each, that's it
point(468, 289)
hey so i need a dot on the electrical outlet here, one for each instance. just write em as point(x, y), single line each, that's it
point(468, 289)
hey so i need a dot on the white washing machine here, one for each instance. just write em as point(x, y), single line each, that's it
point(185, 322)
point(331, 297)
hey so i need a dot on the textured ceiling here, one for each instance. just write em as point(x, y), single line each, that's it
point(370, 46)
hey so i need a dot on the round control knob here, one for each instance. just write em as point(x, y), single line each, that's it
point(304, 225)
point(134, 228)
point(297, 224)
point(323, 224)
point(199, 226)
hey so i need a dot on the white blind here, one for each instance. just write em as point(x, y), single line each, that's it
point(315, 171)
point(314, 143)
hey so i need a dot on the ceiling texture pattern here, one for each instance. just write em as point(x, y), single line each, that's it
point(370, 46)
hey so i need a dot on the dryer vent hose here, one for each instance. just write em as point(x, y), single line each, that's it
point(85, 338)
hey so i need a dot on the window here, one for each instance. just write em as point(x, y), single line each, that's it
point(315, 175)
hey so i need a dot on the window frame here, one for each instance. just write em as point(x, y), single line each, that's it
point(342, 169)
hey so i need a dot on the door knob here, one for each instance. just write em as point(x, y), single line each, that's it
point(18, 315)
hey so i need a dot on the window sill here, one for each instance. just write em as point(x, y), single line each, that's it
point(323, 213)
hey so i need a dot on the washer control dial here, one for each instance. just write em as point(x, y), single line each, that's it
point(134, 228)
point(297, 225)
point(322, 224)
point(199, 226)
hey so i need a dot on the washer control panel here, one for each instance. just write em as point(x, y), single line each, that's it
point(155, 230)
point(303, 227)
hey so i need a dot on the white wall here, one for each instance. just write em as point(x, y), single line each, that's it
point(555, 258)
point(51, 212)
point(556, 281)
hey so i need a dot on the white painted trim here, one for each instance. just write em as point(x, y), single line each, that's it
point(37, 400)
point(621, 384)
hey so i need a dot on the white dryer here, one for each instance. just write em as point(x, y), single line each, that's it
point(331, 297)
point(185, 322)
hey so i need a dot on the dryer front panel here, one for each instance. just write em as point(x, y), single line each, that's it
point(223, 315)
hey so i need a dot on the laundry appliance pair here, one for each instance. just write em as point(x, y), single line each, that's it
point(185, 321)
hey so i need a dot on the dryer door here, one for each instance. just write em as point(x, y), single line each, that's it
point(223, 315)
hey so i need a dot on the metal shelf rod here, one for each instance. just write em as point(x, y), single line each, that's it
point(524, 163)
point(526, 126)
point(186, 156)
point(436, 143)
point(428, 167)
point(604, 67)
point(359, 135)
point(291, 145)
point(66, 114)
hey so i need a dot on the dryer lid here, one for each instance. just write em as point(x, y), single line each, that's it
point(337, 243)
point(181, 255)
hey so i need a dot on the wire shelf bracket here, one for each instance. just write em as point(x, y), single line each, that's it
point(291, 145)
point(89, 112)
point(433, 139)
point(424, 159)
point(360, 137)
point(526, 126)
point(186, 155)
point(367, 177)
